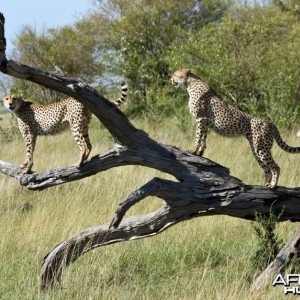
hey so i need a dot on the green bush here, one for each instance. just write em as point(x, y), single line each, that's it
point(268, 243)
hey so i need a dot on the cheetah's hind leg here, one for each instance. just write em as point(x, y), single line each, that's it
point(260, 157)
point(84, 153)
point(193, 150)
point(275, 170)
point(197, 150)
point(85, 148)
point(270, 168)
point(87, 143)
point(26, 167)
point(82, 149)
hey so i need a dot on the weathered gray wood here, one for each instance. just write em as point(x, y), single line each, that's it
point(200, 188)
point(165, 158)
point(288, 252)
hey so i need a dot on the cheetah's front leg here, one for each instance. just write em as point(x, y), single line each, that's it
point(30, 140)
point(201, 133)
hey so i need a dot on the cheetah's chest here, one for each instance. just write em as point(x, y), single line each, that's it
point(196, 107)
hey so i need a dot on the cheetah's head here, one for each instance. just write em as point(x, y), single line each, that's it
point(180, 77)
point(12, 102)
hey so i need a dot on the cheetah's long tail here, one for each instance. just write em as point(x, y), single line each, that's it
point(282, 144)
point(123, 97)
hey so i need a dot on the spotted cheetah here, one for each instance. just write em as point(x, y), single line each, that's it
point(36, 119)
point(209, 110)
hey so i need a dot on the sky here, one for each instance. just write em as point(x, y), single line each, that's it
point(40, 14)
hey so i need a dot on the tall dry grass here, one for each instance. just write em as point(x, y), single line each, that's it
point(205, 258)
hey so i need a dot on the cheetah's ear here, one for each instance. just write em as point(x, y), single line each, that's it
point(189, 72)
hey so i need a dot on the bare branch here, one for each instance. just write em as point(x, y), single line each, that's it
point(151, 188)
point(183, 203)
point(68, 251)
point(169, 159)
point(2, 42)
point(11, 170)
point(290, 251)
point(40, 181)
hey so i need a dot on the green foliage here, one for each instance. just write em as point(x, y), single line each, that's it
point(70, 47)
point(249, 54)
point(146, 30)
point(268, 243)
point(203, 258)
point(9, 132)
point(125, 38)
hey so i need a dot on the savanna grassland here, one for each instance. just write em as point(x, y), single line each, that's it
point(205, 258)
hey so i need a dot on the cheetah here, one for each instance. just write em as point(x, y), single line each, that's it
point(37, 119)
point(211, 111)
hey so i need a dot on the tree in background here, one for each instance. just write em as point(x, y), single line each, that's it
point(251, 58)
point(123, 38)
point(74, 53)
point(140, 35)
point(248, 53)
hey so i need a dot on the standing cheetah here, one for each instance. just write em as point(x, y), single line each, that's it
point(36, 119)
point(210, 111)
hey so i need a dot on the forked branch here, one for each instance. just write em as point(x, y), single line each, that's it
point(150, 189)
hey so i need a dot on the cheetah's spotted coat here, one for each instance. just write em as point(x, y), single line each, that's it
point(210, 111)
point(36, 119)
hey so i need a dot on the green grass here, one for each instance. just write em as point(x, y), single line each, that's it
point(205, 258)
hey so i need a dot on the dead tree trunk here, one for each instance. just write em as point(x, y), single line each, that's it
point(289, 252)
point(201, 187)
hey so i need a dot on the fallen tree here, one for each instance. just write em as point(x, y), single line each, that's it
point(201, 187)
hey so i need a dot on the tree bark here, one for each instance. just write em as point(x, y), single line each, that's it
point(201, 187)
point(289, 252)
